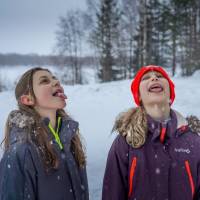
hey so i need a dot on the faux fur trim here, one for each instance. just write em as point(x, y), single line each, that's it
point(194, 123)
point(124, 123)
point(181, 121)
point(19, 119)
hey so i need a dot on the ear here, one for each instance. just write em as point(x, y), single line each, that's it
point(27, 100)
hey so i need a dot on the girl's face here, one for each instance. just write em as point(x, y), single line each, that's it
point(154, 89)
point(48, 92)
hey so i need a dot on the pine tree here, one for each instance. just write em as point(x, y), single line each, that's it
point(191, 59)
point(149, 35)
point(183, 24)
point(104, 37)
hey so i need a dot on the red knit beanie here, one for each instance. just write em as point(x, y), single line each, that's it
point(136, 82)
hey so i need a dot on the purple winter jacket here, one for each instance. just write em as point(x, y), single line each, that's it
point(168, 170)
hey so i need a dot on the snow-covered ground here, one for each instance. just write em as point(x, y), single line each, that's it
point(95, 106)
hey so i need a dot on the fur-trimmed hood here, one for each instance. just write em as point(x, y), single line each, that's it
point(194, 123)
point(19, 119)
point(21, 124)
point(125, 125)
point(18, 126)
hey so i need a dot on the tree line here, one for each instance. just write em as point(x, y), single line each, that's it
point(14, 59)
point(124, 35)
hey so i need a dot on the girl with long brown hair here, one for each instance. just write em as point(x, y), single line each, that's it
point(43, 154)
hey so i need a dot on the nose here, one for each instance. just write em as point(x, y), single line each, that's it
point(56, 82)
point(154, 77)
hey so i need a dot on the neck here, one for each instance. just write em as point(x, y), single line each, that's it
point(52, 119)
point(51, 114)
point(158, 112)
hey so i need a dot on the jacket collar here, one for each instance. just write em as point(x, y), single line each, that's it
point(171, 125)
point(20, 124)
point(67, 129)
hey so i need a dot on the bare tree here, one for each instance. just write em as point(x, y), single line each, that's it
point(69, 39)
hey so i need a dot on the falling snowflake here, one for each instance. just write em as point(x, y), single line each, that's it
point(152, 125)
point(157, 171)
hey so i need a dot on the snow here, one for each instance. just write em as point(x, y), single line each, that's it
point(157, 171)
point(196, 74)
point(9, 75)
point(96, 106)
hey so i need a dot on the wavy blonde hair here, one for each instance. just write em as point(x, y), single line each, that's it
point(132, 124)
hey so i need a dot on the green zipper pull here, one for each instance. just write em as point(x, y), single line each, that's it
point(55, 133)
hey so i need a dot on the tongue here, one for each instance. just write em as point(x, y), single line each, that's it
point(61, 95)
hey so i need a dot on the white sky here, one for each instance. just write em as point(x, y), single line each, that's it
point(28, 26)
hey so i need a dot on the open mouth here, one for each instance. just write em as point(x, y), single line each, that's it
point(156, 88)
point(59, 93)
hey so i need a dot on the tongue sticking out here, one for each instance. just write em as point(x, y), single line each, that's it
point(61, 95)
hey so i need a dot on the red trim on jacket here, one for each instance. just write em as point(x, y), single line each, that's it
point(187, 166)
point(132, 172)
point(162, 134)
point(183, 128)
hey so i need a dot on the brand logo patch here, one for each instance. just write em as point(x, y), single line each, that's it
point(181, 150)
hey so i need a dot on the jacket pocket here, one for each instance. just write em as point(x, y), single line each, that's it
point(131, 176)
point(188, 170)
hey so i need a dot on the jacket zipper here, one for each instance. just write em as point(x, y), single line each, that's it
point(188, 170)
point(55, 133)
point(132, 172)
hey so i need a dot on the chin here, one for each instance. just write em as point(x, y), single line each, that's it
point(157, 100)
point(61, 105)
point(160, 102)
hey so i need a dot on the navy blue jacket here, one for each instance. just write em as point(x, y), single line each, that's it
point(22, 173)
point(168, 170)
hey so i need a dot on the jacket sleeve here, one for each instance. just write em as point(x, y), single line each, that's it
point(115, 183)
point(17, 174)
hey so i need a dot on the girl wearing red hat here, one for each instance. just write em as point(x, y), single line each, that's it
point(156, 153)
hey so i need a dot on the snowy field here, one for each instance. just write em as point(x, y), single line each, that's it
point(95, 106)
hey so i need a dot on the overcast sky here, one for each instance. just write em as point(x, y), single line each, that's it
point(28, 26)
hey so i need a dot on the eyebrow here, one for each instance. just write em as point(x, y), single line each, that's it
point(41, 77)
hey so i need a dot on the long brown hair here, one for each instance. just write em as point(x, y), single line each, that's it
point(48, 155)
